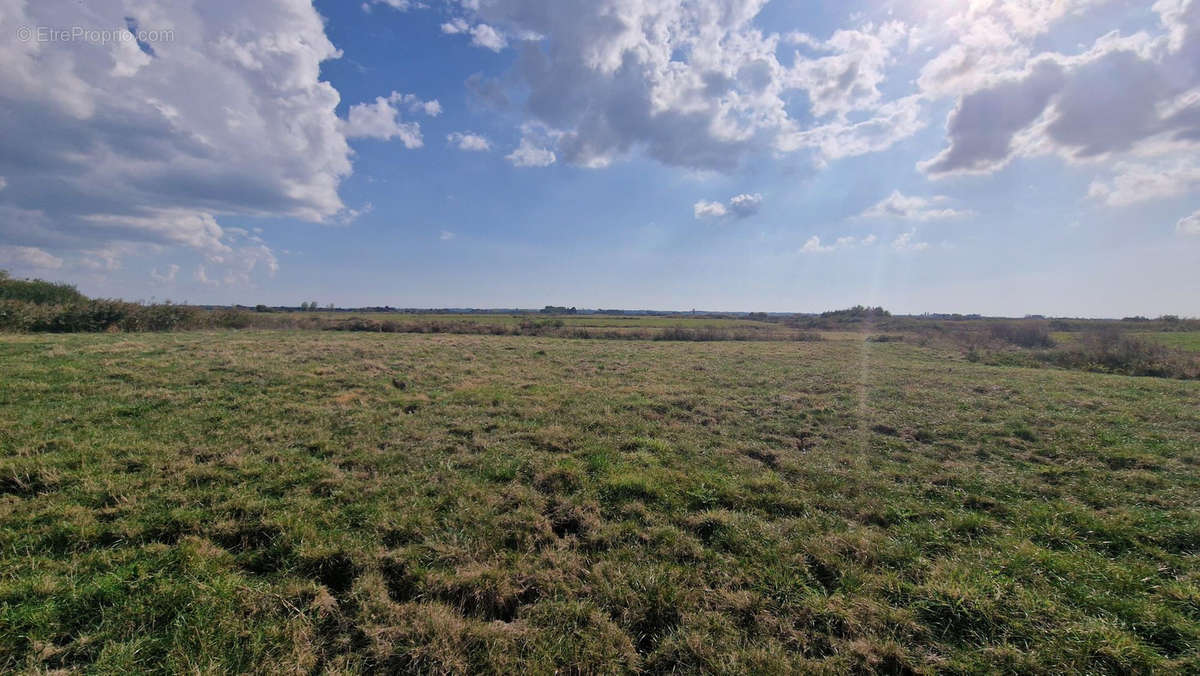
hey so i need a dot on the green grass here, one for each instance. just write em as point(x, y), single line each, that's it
point(577, 321)
point(314, 501)
point(1179, 340)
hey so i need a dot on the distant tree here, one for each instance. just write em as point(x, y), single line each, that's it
point(857, 312)
point(261, 308)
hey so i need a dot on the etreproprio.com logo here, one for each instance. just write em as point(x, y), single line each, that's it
point(98, 36)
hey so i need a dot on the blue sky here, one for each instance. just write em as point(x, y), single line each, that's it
point(1030, 156)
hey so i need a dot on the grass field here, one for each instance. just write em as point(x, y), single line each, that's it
point(298, 501)
point(580, 321)
point(1180, 340)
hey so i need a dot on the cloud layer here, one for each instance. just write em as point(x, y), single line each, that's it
point(118, 147)
point(693, 84)
point(1136, 95)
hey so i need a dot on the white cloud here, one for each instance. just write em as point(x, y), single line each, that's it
point(694, 84)
point(1133, 182)
point(813, 244)
point(3, 183)
point(400, 5)
point(446, 236)
point(487, 37)
point(28, 257)
point(109, 257)
point(482, 35)
point(149, 148)
point(469, 141)
point(167, 277)
point(1125, 95)
point(899, 206)
point(456, 26)
point(888, 124)
point(906, 242)
point(990, 39)
point(706, 209)
point(849, 76)
point(381, 119)
point(739, 206)
point(529, 155)
point(1189, 225)
point(745, 204)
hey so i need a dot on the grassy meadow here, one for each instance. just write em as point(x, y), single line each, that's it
point(335, 502)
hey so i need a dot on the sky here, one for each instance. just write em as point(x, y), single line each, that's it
point(977, 156)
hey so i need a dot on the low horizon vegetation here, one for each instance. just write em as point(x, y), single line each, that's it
point(1112, 346)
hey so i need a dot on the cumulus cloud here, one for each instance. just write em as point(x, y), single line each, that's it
point(852, 67)
point(738, 206)
point(899, 206)
point(1189, 225)
point(468, 141)
point(991, 40)
point(529, 155)
point(482, 35)
point(3, 183)
point(745, 204)
point(381, 119)
point(813, 245)
point(117, 145)
point(28, 257)
point(693, 84)
point(706, 209)
point(1137, 182)
point(1137, 94)
point(487, 37)
point(456, 26)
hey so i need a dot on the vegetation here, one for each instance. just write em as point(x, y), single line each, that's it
point(37, 291)
point(264, 501)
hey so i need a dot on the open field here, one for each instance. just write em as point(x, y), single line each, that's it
point(322, 501)
point(1181, 340)
point(580, 321)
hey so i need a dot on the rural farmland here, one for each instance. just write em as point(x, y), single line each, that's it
point(272, 500)
point(600, 337)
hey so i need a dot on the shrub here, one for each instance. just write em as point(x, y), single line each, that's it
point(38, 291)
point(857, 313)
point(1111, 351)
point(1023, 334)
